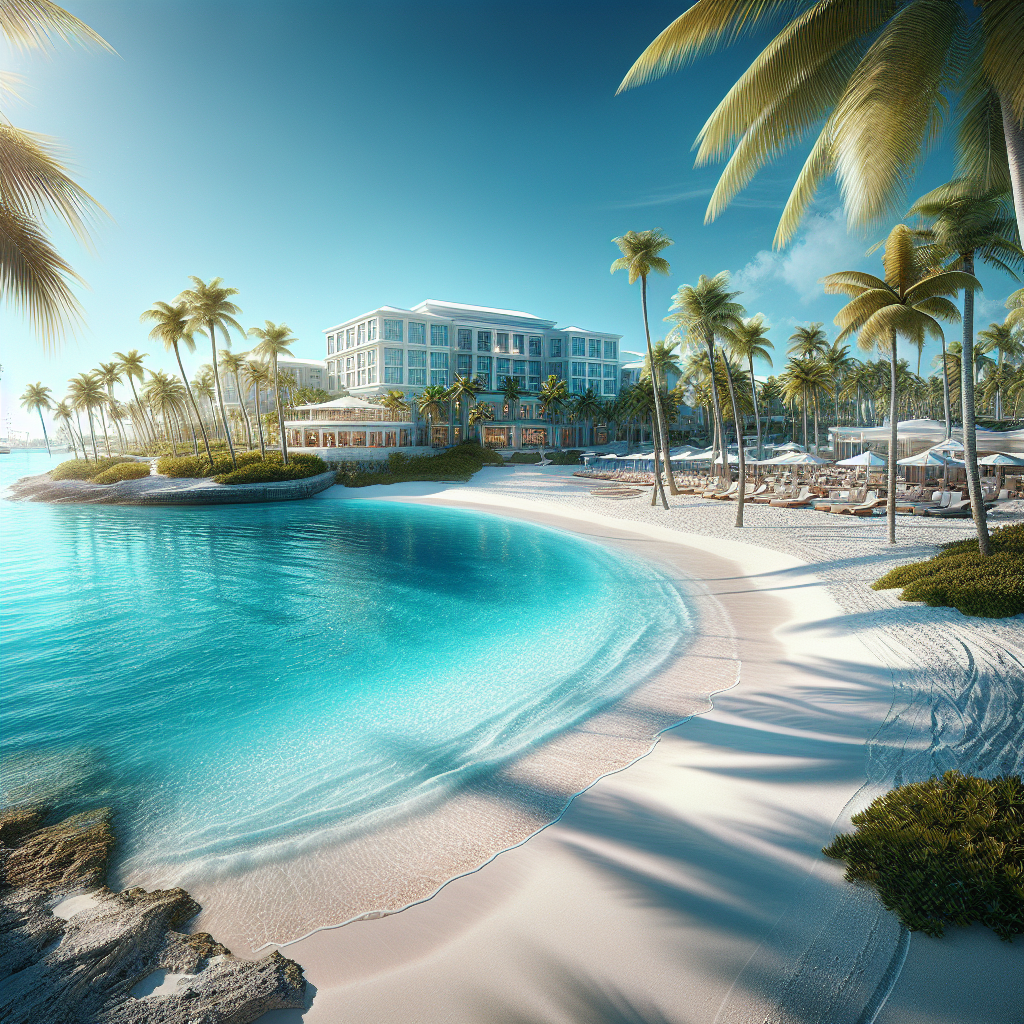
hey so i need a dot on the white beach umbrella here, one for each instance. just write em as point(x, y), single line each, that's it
point(1001, 459)
point(929, 459)
point(949, 445)
point(864, 459)
point(790, 446)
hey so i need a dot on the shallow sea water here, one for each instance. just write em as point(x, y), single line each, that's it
point(239, 681)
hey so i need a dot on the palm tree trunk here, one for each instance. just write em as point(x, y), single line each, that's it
point(106, 436)
point(1014, 137)
point(192, 399)
point(280, 417)
point(890, 498)
point(259, 421)
point(970, 430)
point(245, 412)
point(716, 407)
point(92, 433)
point(220, 392)
point(739, 450)
point(946, 407)
point(757, 414)
point(803, 409)
point(658, 487)
point(817, 429)
point(666, 455)
point(39, 409)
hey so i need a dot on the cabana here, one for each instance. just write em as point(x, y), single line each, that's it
point(1001, 460)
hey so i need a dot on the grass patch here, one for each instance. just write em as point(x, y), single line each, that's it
point(79, 469)
point(458, 463)
point(958, 577)
point(525, 458)
point(122, 471)
point(945, 851)
point(569, 458)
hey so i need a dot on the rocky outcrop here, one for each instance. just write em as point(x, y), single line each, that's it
point(57, 971)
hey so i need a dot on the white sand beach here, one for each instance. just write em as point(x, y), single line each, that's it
point(690, 885)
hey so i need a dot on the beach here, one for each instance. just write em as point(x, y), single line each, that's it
point(690, 886)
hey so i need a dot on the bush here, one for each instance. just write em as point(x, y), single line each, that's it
point(272, 471)
point(122, 471)
point(79, 469)
point(570, 458)
point(958, 577)
point(525, 458)
point(945, 851)
point(456, 464)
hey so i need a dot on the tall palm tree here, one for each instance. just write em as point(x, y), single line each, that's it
point(1015, 304)
point(130, 364)
point(103, 415)
point(750, 342)
point(168, 397)
point(432, 402)
point(209, 307)
point(463, 391)
point(256, 375)
point(587, 407)
point(62, 414)
point(110, 374)
point(665, 356)
point(876, 78)
point(232, 363)
point(640, 259)
point(511, 392)
point(837, 359)
point(34, 183)
point(274, 341)
point(804, 379)
point(808, 340)
point(909, 302)
point(1007, 344)
point(35, 399)
point(554, 396)
point(707, 311)
point(964, 224)
point(86, 394)
point(480, 414)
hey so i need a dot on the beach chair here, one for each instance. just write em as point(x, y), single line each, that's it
point(956, 510)
point(802, 499)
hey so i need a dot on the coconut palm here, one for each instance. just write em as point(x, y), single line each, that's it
point(463, 391)
point(480, 414)
point(110, 374)
point(432, 402)
point(837, 358)
point(35, 399)
point(874, 76)
point(86, 394)
point(966, 224)
point(209, 307)
point(707, 311)
point(749, 342)
point(808, 340)
point(587, 407)
point(168, 397)
point(511, 392)
point(130, 365)
point(909, 302)
point(62, 414)
point(554, 395)
point(395, 402)
point(231, 363)
point(1015, 304)
point(640, 259)
point(1007, 344)
point(274, 341)
point(804, 379)
point(665, 356)
point(256, 375)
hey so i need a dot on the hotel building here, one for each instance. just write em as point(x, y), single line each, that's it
point(392, 349)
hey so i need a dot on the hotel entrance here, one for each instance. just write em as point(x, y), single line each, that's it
point(535, 437)
point(497, 437)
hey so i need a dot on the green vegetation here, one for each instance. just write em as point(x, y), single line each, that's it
point(525, 458)
point(458, 463)
point(252, 468)
point(122, 471)
point(79, 469)
point(945, 851)
point(569, 458)
point(960, 577)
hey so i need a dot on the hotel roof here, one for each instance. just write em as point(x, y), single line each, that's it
point(423, 306)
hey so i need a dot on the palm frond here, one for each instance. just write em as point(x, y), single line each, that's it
point(33, 24)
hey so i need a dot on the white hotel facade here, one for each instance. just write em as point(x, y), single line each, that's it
point(393, 349)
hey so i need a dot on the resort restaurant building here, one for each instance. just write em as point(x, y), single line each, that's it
point(915, 436)
point(393, 349)
point(350, 423)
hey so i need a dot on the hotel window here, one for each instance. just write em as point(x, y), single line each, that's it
point(609, 387)
point(501, 341)
point(371, 330)
point(439, 361)
point(594, 370)
point(483, 371)
point(393, 330)
point(417, 377)
point(519, 344)
point(556, 348)
point(330, 382)
point(361, 360)
point(393, 357)
point(579, 385)
point(417, 359)
point(465, 339)
point(579, 346)
point(330, 344)
point(609, 350)
point(463, 365)
point(519, 367)
point(483, 341)
point(439, 335)
point(362, 335)
point(534, 382)
point(579, 369)
point(350, 337)
point(439, 378)
point(609, 371)
point(504, 368)
point(525, 412)
point(392, 374)
point(556, 368)
point(417, 333)
point(595, 348)
point(535, 344)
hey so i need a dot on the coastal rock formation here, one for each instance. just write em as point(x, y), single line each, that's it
point(82, 962)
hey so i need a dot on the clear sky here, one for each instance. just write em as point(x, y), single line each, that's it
point(328, 158)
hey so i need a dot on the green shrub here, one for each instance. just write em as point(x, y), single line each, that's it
point(945, 851)
point(958, 577)
point(525, 458)
point(272, 471)
point(122, 471)
point(80, 469)
point(456, 464)
point(570, 458)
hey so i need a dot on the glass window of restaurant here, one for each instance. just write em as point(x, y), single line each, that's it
point(556, 348)
point(519, 344)
point(501, 341)
point(483, 341)
point(465, 339)
point(535, 345)
point(579, 346)
point(417, 333)
point(439, 335)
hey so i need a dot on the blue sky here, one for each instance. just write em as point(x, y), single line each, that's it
point(327, 158)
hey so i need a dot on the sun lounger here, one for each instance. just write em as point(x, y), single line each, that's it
point(957, 510)
point(802, 499)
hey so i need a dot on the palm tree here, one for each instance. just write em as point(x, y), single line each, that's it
point(130, 364)
point(1015, 304)
point(640, 259)
point(837, 359)
point(35, 399)
point(256, 375)
point(909, 302)
point(480, 414)
point(463, 391)
point(707, 312)
point(395, 401)
point(875, 77)
point(209, 307)
point(165, 394)
point(750, 342)
point(665, 357)
point(232, 364)
point(808, 340)
point(1007, 344)
point(103, 416)
point(34, 183)
point(109, 375)
point(274, 340)
point(587, 407)
point(803, 380)
point(86, 392)
point(554, 395)
point(432, 402)
point(512, 392)
point(62, 414)
point(965, 224)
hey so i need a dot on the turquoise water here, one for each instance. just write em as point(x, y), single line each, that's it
point(238, 680)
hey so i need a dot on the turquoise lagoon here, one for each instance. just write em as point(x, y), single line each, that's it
point(241, 680)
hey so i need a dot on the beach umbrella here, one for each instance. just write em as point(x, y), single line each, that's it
point(949, 445)
point(790, 446)
point(802, 458)
point(1001, 460)
point(929, 460)
point(864, 459)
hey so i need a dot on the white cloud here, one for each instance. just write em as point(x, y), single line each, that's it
point(823, 247)
point(988, 310)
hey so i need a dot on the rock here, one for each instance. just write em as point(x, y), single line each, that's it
point(54, 971)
